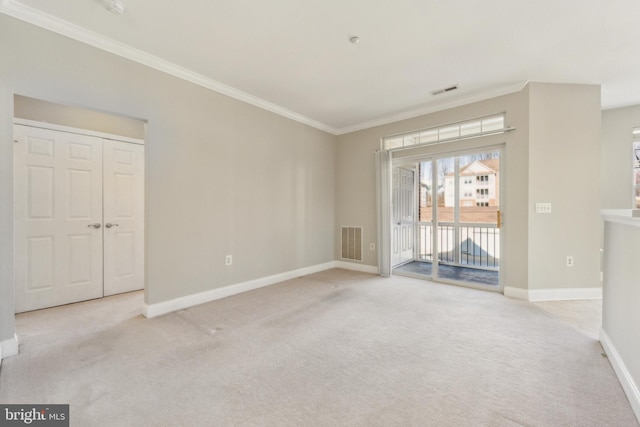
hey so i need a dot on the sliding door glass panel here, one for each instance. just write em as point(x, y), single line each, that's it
point(467, 234)
point(425, 212)
point(446, 210)
point(479, 206)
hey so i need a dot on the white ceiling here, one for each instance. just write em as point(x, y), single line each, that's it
point(293, 56)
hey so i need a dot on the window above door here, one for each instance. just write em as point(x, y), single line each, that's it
point(452, 132)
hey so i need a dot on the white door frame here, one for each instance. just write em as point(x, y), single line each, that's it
point(69, 129)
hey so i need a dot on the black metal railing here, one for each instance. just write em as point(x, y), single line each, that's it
point(468, 244)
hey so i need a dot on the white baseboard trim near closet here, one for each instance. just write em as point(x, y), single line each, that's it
point(8, 347)
point(624, 376)
point(562, 294)
point(158, 309)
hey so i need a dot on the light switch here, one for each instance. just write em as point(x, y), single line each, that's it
point(543, 207)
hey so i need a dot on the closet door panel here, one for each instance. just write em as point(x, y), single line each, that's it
point(123, 217)
point(58, 217)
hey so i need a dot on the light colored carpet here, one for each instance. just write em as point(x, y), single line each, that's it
point(584, 315)
point(333, 348)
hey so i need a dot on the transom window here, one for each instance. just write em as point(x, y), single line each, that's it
point(453, 132)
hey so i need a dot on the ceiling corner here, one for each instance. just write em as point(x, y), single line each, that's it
point(40, 19)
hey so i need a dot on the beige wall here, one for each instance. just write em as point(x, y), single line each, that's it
point(222, 177)
point(356, 192)
point(82, 118)
point(555, 143)
point(564, 163)
point(616, 175)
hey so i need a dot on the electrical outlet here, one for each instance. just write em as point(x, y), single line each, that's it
point(569, 261)
point(228, 260)
point(372, 246)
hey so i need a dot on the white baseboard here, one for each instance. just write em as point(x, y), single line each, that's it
point(8, 347)
point(363, 268)
point(158, 309)
point(624, 376)
point(562, 294)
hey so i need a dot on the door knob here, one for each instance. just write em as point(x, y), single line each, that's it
point(109, 225)
point(96, 225)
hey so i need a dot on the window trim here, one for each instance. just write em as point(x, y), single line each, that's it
point(432, 135)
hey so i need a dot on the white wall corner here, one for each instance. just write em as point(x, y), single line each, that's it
point(624, 376)
point(516, 293)
point(363, 268)
point(158, 309)
point(9, 348)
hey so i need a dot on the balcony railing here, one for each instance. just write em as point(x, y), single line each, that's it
point(468, 244)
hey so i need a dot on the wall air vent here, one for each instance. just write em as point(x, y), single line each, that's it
point(352, 243)
point(445, 90)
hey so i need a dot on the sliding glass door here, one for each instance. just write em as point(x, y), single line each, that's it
point(458, 219)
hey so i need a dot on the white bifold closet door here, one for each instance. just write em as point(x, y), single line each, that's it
point(123, 189)
point(67, 187)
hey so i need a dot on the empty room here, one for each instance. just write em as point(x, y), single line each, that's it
point(319, 213)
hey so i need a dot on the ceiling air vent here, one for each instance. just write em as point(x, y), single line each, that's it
point(445, 90)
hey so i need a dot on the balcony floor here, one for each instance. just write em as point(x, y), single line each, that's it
point(450, 272)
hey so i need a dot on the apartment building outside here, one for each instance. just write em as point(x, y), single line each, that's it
point(479, 185)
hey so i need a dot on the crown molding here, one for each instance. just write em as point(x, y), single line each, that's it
point(33, 16)
point(457, 102)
